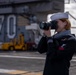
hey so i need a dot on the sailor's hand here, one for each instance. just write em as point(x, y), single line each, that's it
point(47, 32)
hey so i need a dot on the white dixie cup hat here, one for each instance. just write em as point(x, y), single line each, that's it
point(57, 16)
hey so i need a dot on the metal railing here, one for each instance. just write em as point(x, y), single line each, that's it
point(71, 15)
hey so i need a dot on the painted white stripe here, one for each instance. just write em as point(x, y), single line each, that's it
point(28, 57)
point(6, 70)
point(9, 56)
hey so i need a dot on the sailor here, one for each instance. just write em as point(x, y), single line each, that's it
point(59, 48)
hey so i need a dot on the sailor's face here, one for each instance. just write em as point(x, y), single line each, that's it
point(61, 26)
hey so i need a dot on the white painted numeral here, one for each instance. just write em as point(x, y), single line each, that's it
point(14, 26)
